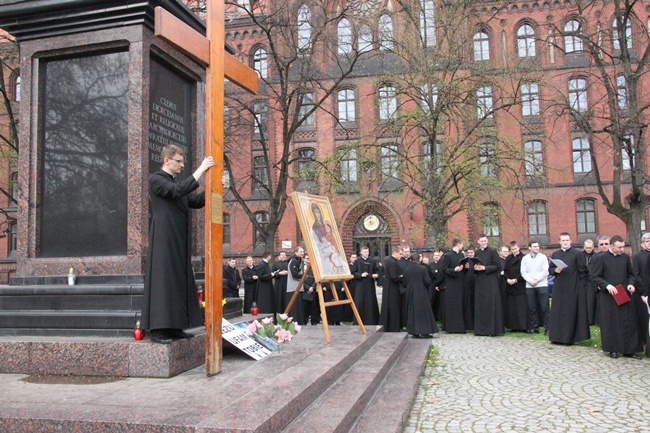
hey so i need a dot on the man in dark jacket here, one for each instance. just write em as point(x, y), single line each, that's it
point(233, 279)
point(170, 303)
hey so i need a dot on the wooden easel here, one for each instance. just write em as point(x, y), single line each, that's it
point(324, 305)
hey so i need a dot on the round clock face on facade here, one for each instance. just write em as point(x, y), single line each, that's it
point(371, 223)
point(363, 7)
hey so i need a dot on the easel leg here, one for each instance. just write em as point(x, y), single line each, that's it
point(295, 293)
point(323, 312)
point(354, 307)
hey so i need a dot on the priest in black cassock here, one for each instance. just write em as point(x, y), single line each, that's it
point(470, 288)
point(641, 269)
point(420, 321)
point(365, 274)
point(280, 270)
point(488, 317)
point(404, 263)
point(250, 276)
point(569, 318)
point(391, 298)
point(517, 312)
point(618, 323)
point(265, 285)
point(170, 302)
point(454, 308)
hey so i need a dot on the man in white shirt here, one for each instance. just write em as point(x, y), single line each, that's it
point(534, 269)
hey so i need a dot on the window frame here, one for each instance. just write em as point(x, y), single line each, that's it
point(427, 23)
point(534, 159)
point(581, 155)
point(349, 167)
point(537, 218)
point(261, 61)
point(484, 102)
point(303, 21)
point(573, 36)
point(385, 33)
point(344, 40)
point(526, 41)
point(490, 213)
point(530, 100)
point(578, 98)
point(346, 103)
point(583, 223)
point(387, 103)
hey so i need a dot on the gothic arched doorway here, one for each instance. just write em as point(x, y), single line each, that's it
point(373, 230)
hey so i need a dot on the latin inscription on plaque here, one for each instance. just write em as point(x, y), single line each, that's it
point(170, 109)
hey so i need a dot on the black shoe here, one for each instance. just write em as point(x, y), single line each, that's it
point(161, 338)
point(632, 355)
point(614, 355)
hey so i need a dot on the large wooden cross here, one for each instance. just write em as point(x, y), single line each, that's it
point(209, 51)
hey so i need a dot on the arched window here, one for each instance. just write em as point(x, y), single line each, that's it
point(260, 62)
point(304, 28)
point(526, 41)
point(581, 155)
point(427, 23)
point(586, 216)
point(346, 104)
point(491, 214)
point(17, 89)
point(481, 46)
point(537, 218)
point(534, 158)
point(530, 99)
point(621, 92)
point(365, 38)
point(572, 36)
point(305, 165)
point(226, 228)
point(578, 95)
point(385, 27)
point(344, 34)
point(387, 103)
point(263, 219)
point(626, 36)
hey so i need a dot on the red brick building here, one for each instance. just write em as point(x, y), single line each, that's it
point(548, 99)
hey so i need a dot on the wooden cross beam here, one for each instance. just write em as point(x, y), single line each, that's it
point(220, 65)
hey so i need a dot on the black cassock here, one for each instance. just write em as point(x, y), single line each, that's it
point(250, 287)
point(170, 299)
point(470, 288)
point(232, 280)
point(264, 288)
point(419, 315)
point(517, 312)
point(365, 297)
point(391, 298)
point(641, 269)
point(455, 306)
point(569, 321)
point(280, 286)
point(488, 316)
point(618, 324)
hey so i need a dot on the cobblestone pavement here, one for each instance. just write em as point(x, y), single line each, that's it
point(504, 384)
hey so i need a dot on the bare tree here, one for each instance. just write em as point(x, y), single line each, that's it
point(9, 63)
point(610, 45)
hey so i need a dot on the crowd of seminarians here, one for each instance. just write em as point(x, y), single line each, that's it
point(477, 289)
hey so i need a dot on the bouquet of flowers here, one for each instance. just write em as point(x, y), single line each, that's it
point(280, 332)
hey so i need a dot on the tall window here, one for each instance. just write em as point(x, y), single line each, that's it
point(526, 41)
point(484, 102)
point(429, 97)
point(487, 159)
point(260, 62)
point(344, 32)
point(385, 27)
point(534, 158)
point(305, 165)
point(427, 23)
point(346, 105)
point(304, 28)
point(481, 46)
point(530, 99)
point(259, 111)
point(537, 218)
point(389, 162)
point(348, 167)
point(262, 219)
point(581, 156)
point(17, 88)
point(13, 246)
point(387, 103)
point(365, 38)
point(627, 35)
point(306, 105)
point(621, 92)
point(431, 156)
point(13, 185)
point(572, 36)
point(226, 228)
point(586, 216)
point(491, 219)
point(578, 95)
point(261, 173)
point(627, 152)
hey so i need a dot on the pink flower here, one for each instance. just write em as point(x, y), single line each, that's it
point(297, 327)
point(252, 328)
point(289, 319)
point(283, 335)
point(284, 316)
point(266, 320)
point(258, 324)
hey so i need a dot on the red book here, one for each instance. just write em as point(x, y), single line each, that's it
point(621, 297)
